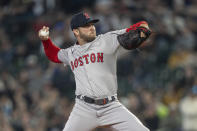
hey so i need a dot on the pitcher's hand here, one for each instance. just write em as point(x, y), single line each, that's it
point(44, 33)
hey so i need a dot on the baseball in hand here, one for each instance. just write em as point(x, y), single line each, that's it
point(44, 33)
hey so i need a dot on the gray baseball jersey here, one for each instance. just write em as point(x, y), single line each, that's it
point(94, 65)
point(94, 68)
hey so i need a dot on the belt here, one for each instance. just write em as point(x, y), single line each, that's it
point(96, 101)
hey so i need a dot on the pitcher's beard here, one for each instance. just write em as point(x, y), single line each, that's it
point(87, 38)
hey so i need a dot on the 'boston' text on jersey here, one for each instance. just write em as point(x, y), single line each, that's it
point(89, 58)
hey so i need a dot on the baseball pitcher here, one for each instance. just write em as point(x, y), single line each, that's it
point(92, 59)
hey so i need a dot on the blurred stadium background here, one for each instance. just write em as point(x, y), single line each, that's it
point(157, 83)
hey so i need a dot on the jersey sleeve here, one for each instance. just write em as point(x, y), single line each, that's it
point(63, 56)
point(112, 43)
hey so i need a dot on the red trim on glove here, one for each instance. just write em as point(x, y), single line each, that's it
point(134, 27)
point(51, 50)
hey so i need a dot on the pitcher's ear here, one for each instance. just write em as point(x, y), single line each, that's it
point(76, 32)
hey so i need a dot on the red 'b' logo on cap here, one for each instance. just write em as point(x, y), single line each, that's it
point(86, 15)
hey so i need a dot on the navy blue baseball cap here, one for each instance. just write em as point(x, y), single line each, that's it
point(81, 19)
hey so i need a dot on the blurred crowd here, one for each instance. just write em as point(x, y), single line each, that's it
point(157, 82)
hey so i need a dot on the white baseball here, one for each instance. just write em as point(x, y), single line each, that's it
point(44, 33)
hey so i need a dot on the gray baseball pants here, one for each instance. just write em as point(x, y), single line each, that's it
point(86, 117)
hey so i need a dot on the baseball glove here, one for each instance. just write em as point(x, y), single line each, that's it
point(133, 39)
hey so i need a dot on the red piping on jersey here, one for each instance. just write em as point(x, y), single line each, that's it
point(51, 50)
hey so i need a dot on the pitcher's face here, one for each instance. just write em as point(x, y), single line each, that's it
point(87, 32)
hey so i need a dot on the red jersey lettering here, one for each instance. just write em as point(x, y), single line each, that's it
point(80, 60)
point(86, 58)
point(99, 57)
point(76, 63)
point(72, 65)
point(92, 57)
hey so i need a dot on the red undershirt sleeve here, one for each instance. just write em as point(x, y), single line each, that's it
point(51, 50)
